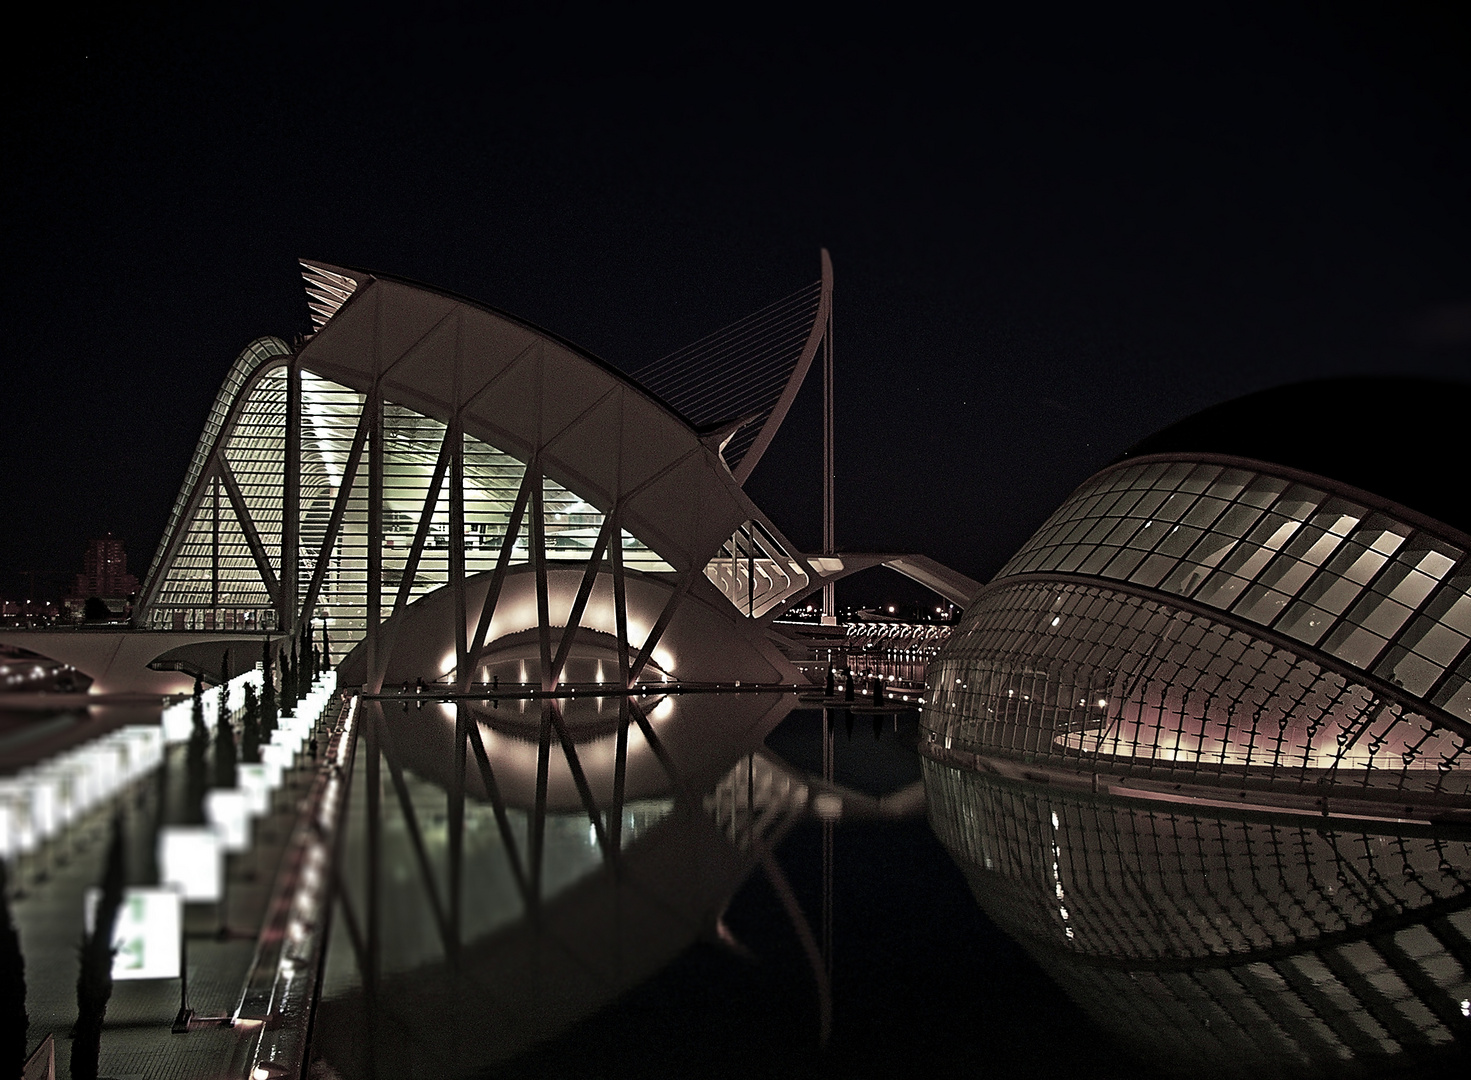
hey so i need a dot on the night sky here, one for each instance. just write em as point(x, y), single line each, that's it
point(1052, 234)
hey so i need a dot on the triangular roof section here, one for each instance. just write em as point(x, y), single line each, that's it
point(327, 289)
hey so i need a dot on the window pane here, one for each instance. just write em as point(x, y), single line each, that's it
point(1355, 645)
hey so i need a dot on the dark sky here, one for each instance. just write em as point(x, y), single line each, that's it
point(1053, 233)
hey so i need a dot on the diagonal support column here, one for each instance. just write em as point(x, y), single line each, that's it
point(416, 552)
point(247, 526)
point(530, 479)
point(579, 603)
point(416, 839)
point(660, 625)
point(579, 778)
point(498, 804)
point(620, 622)
point(339, 511)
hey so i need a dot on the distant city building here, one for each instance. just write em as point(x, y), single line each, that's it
point(104, 575)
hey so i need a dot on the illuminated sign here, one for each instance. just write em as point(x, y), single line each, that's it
point(190, 858)
point(146, 934)
point(229, 813)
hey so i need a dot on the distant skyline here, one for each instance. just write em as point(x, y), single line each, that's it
point(1051, 236)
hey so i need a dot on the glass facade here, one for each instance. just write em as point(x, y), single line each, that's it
point(1101, 678)
point(1080, 654)
point(215, 580)
point(1350, 580)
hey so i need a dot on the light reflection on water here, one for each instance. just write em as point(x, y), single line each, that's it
point(700, 811)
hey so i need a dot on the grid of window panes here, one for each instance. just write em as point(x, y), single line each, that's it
point(251, 357)
point(214, 582)
point(1363, 587)
point(1287, 920)
point(1096, 677)
point(255, 450)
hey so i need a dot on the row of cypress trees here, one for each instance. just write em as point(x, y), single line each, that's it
point(299, 669)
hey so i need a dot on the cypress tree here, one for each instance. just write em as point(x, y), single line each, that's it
point(326, 651)
point(224, 746)
point(94, 980)
point(268, 688)
point(196, 774)
point(13, 1019)
point(250, 736)
point(199, 730)
point(288, 689)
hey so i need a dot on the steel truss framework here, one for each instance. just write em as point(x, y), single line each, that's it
point(416, 440)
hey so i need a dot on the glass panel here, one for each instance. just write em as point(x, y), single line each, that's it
point(1230, 484)
point(1408, 671)
point(1261, 604)
point(1221, 590)
point(1205, 511)
point(1123, 563)
point(1437, 642)
point(1200, 478)
point(1412, 588)
point(1153, 569)
point(1237, 520)
point(1355, 645)
point(1174, 507)
point(1305, 622)
point(1262, 492)
point(1096, 560)
point(1178, 541)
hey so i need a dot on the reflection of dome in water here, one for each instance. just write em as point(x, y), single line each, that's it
point(1216, 942)
point(1206, 628)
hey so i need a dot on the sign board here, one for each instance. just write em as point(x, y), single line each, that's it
point(278, 755)
point(229, 813)
point(147, 933)
point(255, 782)
point(190, 859)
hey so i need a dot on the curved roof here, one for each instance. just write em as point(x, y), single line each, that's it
point(532, 394)
point(1396, 437)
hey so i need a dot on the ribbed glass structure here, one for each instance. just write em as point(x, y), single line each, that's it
point(1200, 618)
point(225, 571)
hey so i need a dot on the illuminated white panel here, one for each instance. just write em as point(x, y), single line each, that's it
point(191, 859)
point(147, 935)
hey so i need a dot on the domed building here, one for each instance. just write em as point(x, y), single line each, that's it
point(1254, 626)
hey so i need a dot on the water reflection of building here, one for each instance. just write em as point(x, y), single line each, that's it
point(1214, 942)
point(563, 910)
point(1257, 616)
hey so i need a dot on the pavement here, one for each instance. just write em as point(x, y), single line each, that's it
point(137, 1041)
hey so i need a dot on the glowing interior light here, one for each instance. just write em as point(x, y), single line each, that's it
point(1056, 619)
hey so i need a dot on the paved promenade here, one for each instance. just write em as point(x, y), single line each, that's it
point(137, 1042)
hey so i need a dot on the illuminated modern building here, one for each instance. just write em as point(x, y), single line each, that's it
point(1238, 654)
point(568, 518)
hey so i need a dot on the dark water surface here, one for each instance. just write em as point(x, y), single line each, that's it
point(690, 960)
